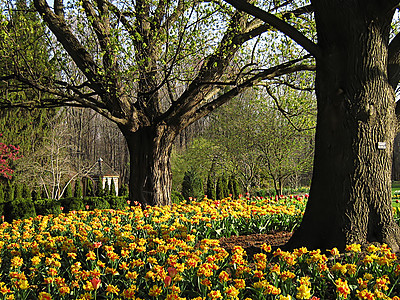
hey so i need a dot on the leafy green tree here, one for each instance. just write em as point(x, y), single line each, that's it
point(130, 67)
point(265, 147)
point(24, 127)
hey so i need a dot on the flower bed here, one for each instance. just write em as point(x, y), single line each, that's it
point(171, 253)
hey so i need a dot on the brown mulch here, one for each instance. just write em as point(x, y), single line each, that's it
point(252, 242)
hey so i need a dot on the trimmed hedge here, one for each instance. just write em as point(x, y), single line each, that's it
point(47, 207)
point(117, 202)
point(26, 208)
point(97, 202)
point(19, 209)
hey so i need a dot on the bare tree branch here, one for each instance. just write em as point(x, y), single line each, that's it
point(279, 24)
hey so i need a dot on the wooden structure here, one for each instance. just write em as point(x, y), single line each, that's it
point(102, 170)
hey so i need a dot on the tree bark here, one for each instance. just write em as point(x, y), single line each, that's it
point(150, 181)
point(350, 196)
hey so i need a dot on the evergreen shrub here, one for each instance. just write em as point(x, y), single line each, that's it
point(177, 197)
point(210, 189)
point(89, 188)
point(106, 189)
point(26, 192)
point(20, 209)
point(36, 195)
point(99, 188)
point(71, 204)
point(78, 193)
point(192, 185)
point(97, 203)
point(233, 187)
point(123, 191)
point(2, 194)
point(9, 193)
point(221, 189)
point(17, 192)
point(68, 191)
point(117, 202)
point(112, 188)
point(46, 207)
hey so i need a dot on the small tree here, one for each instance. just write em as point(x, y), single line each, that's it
point(78, 189)
point(100, 189)
point(68, 191)
point(18, 192)
point(112, 188)
point(123, 191)
point(2, 196)
point(191, 185)
point(233, 186)
point(36, 195)
point(220, 190)
point(9, 192)
point(210, 189)
point(89, 189)
point(8, 153)
point(26, 192)
point(106, 188)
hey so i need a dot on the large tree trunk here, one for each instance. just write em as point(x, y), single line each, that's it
point(350, 196)
point(150, 179)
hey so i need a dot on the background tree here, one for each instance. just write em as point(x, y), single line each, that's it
point(357, 73)
point(52, 167)
point(152, 68)
point(265, 146)
point(24, 127)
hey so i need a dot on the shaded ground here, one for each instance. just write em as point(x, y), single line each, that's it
point(252, 243)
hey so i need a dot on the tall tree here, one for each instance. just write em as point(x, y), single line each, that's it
point(21, 126)
point(357, 72)
point(152, 67)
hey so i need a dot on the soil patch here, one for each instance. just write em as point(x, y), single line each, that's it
point(252, 242)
